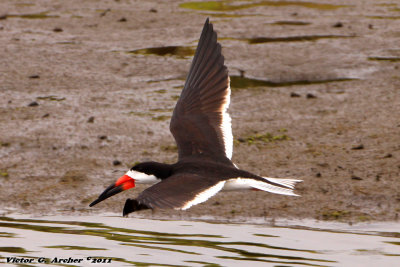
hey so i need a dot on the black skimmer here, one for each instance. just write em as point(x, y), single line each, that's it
point(202, 130)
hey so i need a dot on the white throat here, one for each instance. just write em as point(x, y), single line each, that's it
point(142, 178)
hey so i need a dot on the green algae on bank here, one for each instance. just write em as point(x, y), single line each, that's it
point(160, 91)
point(150, 114)
point(391, 59)
point(161, 109)
point(301, 38)
point(229, 5)
point(161, 118)
point(384, 17)
point(386, 4)
point(24, 4)
point(180, 78)
point(339, 215)
point(139, 114)
point(3, 173)
point(67, 43)
point(262, 138)
point(239, 82)
point(188, 51)
point(230, 15)
point(51, 98)
point(169, 148)
point(42, 15)
point(291, 22)
point(178, 51)
point(334, 214)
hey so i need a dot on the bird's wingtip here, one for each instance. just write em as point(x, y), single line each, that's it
point(208, 23)
point(132, 205)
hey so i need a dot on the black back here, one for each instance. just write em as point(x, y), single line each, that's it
point(159, 170)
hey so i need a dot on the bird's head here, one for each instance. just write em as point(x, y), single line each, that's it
point(142, 173)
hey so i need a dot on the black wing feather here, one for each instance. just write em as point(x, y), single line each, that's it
point(172, 193)
point(198, 117)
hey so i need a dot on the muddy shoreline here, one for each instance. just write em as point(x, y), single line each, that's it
point(86, 91)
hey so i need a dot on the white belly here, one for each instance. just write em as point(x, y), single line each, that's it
point(285, 186)
point(237, 184)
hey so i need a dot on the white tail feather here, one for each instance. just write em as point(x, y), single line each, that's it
point(273, 188)
point(284, 181)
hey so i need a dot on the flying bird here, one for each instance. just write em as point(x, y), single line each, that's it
point(202, 130)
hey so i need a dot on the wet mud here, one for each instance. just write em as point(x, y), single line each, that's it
point(87, 90)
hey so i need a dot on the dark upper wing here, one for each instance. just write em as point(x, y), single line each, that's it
point(180, 191)
point(200, 123)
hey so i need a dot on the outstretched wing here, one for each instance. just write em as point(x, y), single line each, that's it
point(200, 123)
point(173, 193)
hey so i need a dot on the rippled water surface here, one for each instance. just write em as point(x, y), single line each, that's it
point(117, 241)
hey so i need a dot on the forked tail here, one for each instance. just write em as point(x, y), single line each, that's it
point(276, 185)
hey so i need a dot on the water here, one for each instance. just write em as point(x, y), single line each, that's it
point(132, 241)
